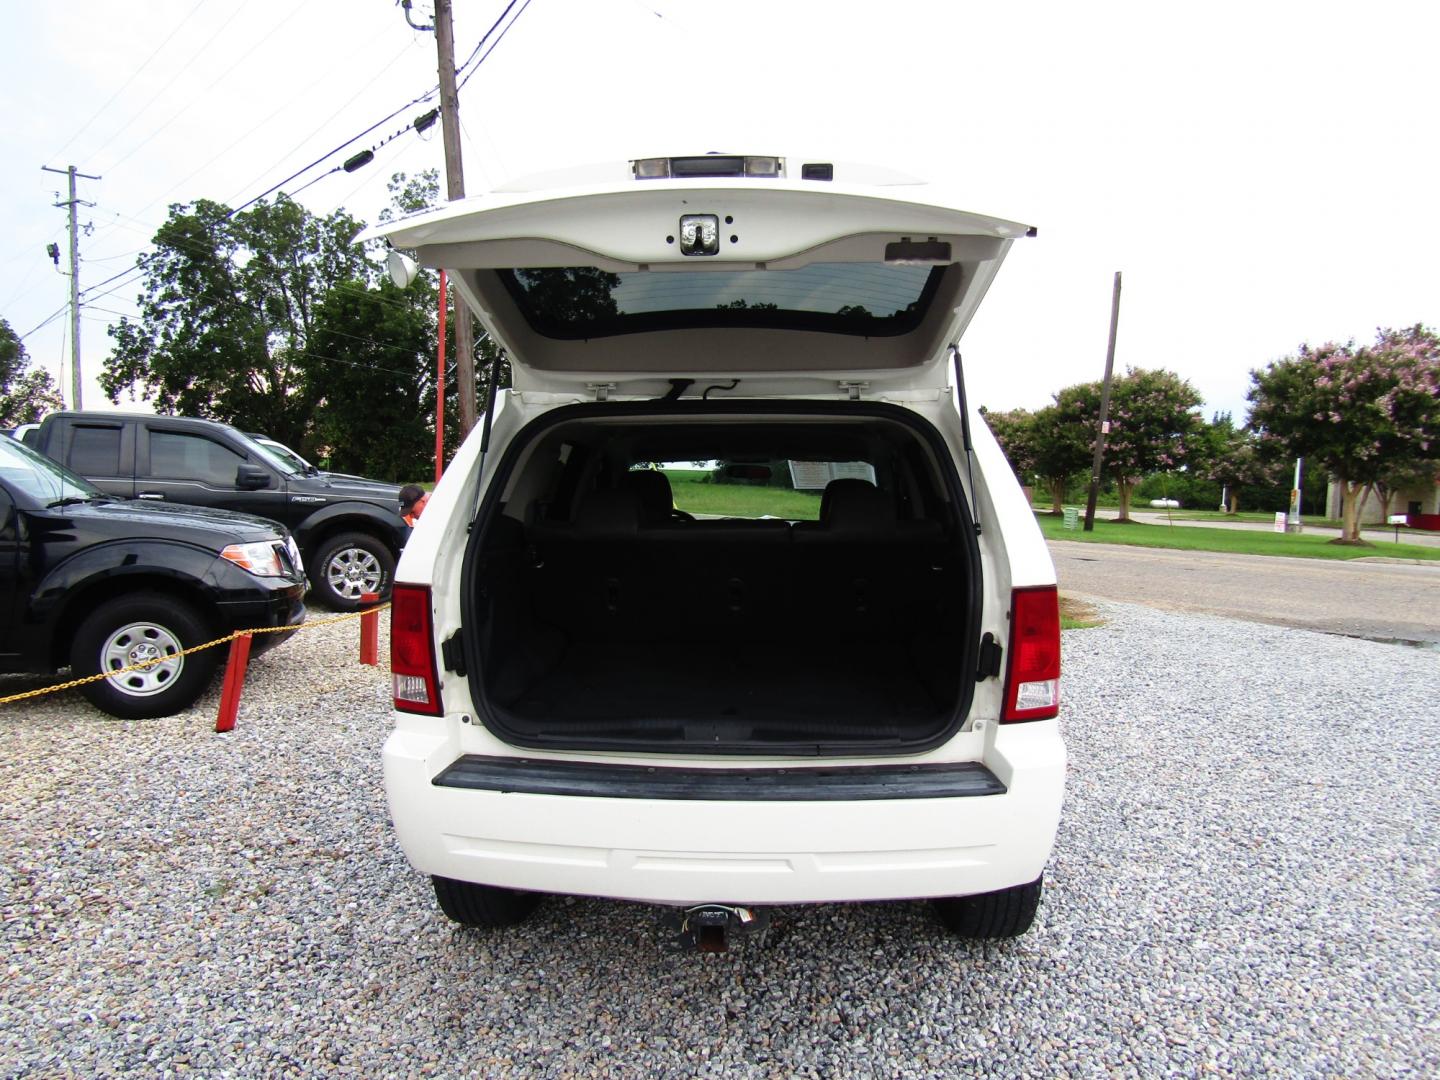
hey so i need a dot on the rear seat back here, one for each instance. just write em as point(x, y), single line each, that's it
point(859, 569)
point(619, 569)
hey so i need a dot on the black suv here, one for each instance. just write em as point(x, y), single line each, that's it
point(97, 584)
point(349, 528)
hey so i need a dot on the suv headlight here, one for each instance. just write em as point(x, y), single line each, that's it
point(261, 559)
point(294, 549)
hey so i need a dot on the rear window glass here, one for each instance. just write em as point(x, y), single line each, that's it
point(780, 488)
point(867, 299)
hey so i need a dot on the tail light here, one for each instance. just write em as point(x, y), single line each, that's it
point(1032, 684)
point(412, 651)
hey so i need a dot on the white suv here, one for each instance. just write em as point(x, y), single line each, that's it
point(734, 600)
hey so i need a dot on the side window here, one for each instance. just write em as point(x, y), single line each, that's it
point(178, 456)
point(94, 451)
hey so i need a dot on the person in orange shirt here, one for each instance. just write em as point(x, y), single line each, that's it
point(412, 500)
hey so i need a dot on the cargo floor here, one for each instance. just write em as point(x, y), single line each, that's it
point(703, 691)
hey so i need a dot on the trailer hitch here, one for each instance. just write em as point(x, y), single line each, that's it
point(711, 927)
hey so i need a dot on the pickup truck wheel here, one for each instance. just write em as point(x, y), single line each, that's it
point(483, 906)
point(1005, 913)
point(349, 565)
point(129, 629)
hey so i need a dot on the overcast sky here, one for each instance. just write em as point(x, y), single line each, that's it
point(1263, 174)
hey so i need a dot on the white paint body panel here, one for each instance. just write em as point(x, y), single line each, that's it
point(687, 852)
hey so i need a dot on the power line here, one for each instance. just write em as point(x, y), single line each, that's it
point(193, 99)
point(285, 104)
point(486, 37)
point(130, 273)
point(331, 153)
point(133, 76)
point(109, 311)
point(169, 83)
point(55, 315)
point(416, 101)
point(493, 47)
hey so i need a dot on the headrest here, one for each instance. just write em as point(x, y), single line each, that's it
point(609, 512)
point(855, 505)
point(653, 489)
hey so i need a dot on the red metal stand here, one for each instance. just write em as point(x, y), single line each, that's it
point(440, 390)
point(370, 631)
point(234, 680)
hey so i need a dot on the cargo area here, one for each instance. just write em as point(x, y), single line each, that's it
point(608, 615)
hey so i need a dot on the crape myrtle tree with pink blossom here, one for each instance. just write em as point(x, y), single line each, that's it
point(1042, 444)
point(1368, 415)
point(1155, 425)
point(1014, 431)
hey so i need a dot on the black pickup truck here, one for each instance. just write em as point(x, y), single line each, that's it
point(98, 584)
point(349, 528)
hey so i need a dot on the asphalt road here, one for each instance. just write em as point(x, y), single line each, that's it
point(1371, 599)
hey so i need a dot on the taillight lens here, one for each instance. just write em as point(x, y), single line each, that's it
point(1032, 683)
point(412, 651)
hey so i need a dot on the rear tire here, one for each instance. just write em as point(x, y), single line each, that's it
point(1006, 913)
point(130, 628)
point(348, 565)
point(485, 907)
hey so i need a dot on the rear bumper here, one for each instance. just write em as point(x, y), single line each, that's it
point(783, 848)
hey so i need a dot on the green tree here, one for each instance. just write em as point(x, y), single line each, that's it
point(1154, 421)
point(228, 314)
point(1367, 414)
point(1233, 457)
point(1060, 442)
point(25, 396)
point(376, 414)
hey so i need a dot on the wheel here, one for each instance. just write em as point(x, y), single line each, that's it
point(129, 629)
point(483, 906)
point(1005, 913)
point(349, 565)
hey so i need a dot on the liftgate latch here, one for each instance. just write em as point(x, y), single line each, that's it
point(990, 653)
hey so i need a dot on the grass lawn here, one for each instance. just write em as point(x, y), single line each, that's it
point(1078, 615)
point(740, 500)
point(1244, 515)
point(1244, 542)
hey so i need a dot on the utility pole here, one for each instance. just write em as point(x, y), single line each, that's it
point(455, 189)
point(72, 203)
point(1104, 411)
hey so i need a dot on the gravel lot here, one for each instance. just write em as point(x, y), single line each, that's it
point(1245, 882)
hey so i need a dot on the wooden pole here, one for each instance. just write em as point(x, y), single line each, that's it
point(455, 189)
point(1104, 428)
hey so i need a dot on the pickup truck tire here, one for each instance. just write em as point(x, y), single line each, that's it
point(1005, 913)
point(485, 907)
point(348, 565)
point(127, 629)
